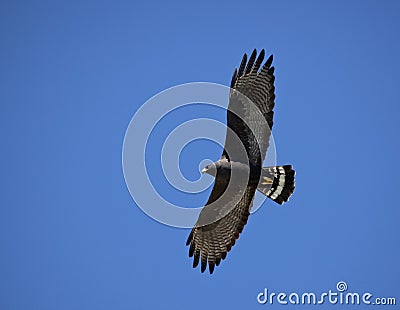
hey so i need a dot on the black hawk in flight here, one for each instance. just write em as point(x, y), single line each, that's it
point(239, 172)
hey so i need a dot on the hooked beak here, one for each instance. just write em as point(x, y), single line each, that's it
point(204, 170)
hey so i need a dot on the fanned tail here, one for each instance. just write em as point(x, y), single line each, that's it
point(277, 183)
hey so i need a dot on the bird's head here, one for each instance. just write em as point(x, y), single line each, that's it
point(210, 169)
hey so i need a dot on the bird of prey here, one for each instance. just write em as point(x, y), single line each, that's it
point(239, 172)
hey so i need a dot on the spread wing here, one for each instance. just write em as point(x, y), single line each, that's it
point(250, 119)
point(210, 243)
point(250, 111)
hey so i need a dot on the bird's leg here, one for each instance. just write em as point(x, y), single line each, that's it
point(267, 181)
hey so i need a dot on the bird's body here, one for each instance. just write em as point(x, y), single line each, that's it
point(239, 172)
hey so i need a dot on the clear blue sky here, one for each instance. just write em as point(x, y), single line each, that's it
point(73, 73)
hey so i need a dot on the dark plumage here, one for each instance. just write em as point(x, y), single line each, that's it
point(239, 173)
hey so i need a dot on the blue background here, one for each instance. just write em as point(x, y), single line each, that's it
point(72, 74)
